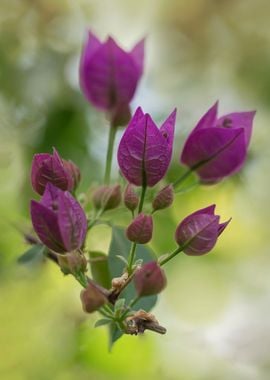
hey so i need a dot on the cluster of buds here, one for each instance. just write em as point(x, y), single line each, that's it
point(216, 148)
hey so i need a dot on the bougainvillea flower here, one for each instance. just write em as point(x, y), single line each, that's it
point(145, 151)
point(150, 279)
point(59, 220)
point(53, 169)
point(198, 232)
point(109, 75)
point(217, 147)
point(140, 229)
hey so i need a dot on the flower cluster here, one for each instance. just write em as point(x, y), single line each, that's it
point(216, 148)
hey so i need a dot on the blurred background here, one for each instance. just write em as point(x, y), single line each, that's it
point(215, 307)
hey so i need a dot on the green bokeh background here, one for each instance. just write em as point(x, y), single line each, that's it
point(215, 307)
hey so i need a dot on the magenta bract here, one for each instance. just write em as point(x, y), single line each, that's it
point(51, 168)
point(150, 279)
point(198, 232)
point(217, 147)
point(109, 75)
point(59, 220)
point(145, 151)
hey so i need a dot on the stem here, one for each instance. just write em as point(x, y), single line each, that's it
point(132, 303)
point(144, 187)
point(107, 176)
point(183, 177)
point(131, 258)
point(170, 256)
point(95, 219)
point(81, 278)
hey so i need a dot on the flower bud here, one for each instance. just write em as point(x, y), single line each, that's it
point(198, 232)
point(92, 298)
point(74, 171)
point(131, 199)
point(140, 229)
point(72, 262)
point(51, 168)
point(150, 279)
point(163, 199)
point(107, 197)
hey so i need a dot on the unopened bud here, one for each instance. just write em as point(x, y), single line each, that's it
point(140, 229)
point(72, 262)
point(163, 199)
point(107, 197)
point(74, 171)
point(149, 279)
point(131, 199)
point(92, 298)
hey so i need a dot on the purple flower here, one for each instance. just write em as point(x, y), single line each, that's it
point(109, 75)
point(217, 147)
point(149, 279)
point(59, 220)
point(198, 232)
point(53, 169)
point(145, 151)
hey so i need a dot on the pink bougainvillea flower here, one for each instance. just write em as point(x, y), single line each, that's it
point(198, 232)
point(53, 169)
point(109, 75)
point(59, 220)
point(217, 147)
point(145, 151)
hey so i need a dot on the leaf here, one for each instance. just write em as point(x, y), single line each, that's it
point(34, 255)
point(119, 304)
point(120, 245)
point(114, 334)
point(100, 268)
point(102, 322)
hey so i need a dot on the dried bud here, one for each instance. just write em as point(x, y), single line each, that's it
point(131, 199)
point(92, 298)
point(107, 197)
point(141, 321)
point(119, 282)
point(163, 199)
point(72, 262)
point(149, 279)
point(140, 229)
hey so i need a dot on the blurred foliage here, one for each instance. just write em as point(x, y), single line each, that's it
point(215, 307)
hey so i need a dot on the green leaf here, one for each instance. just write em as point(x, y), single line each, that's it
point(120, 246)
point(100, 268)
point(102, 322)
point(34, 255)
point(114, 334)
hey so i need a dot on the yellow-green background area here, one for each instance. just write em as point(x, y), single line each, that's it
point(215, 307)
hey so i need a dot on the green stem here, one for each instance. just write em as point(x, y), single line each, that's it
point(131, 258)
point(144, 187)
point(170, 256)
point(133, 245)
point(183, 177)
point(107, 176)
point(81, 278)
point(132, 303)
